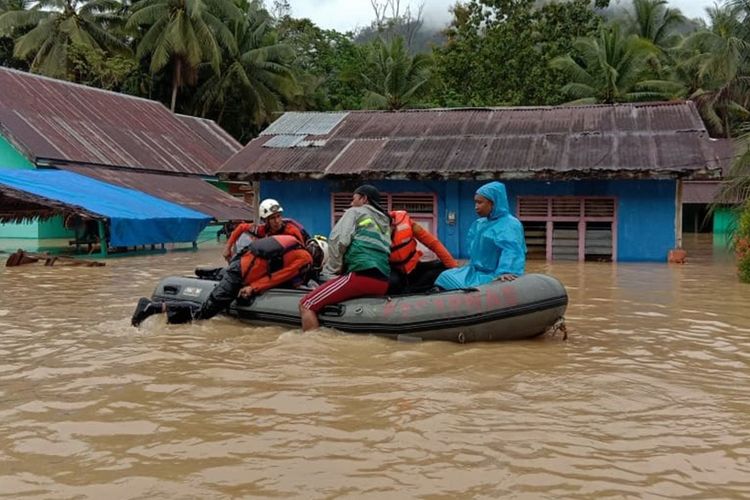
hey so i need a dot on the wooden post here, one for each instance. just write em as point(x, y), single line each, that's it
point(77, 239)
point(678, 214)
point(102, 239)
point(678, 254)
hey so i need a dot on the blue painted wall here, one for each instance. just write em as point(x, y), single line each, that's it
point(645, 212)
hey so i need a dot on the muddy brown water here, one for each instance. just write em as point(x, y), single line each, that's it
point(649, 396)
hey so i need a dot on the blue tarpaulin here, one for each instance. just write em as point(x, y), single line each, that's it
point(135, 218)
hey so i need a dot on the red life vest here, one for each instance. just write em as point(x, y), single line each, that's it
point(267, 252)
point(404, 254)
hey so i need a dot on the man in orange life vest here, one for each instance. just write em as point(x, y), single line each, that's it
point(270, 212)
point(410, 274)
point(265, 263)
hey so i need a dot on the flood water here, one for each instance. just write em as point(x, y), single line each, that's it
point(648, 397)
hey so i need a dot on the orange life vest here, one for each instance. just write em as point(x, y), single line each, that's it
point(266, 255)
point(404, 254)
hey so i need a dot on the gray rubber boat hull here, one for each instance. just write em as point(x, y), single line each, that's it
point(512, 310)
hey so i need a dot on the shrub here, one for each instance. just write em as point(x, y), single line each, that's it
point(742, 244)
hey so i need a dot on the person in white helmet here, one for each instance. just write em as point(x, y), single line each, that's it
point(271, 262)
point(273, 224)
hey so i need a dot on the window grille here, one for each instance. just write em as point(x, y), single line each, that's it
point(341, 201)
point(569, 228)
point(413, 203)
point(421, 206)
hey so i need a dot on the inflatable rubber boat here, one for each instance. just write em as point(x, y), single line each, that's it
point(511, 310)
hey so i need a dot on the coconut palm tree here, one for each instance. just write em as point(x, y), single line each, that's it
point(8, 5)
point(395, 78)
point(654, 21)
point(55, 25)
point(256, 76)
point(7, 39)
point(183, 33)
point(736, 187)
point(612, 67)
point(717, 59)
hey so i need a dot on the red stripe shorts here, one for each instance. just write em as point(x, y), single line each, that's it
point(345, 287)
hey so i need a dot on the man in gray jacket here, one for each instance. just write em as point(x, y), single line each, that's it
point(358, 250)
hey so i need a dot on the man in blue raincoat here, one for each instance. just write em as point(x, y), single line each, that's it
point(497, 249)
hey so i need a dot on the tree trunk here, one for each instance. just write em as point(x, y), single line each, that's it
point(221, 114)
point(176, 81)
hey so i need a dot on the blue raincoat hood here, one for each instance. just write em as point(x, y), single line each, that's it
point(495, 192)
point(496, 245)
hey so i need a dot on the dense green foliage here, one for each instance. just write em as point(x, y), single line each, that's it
point(498, 52)
point(234, 62)
point(742, 244)
point(393, 78)
point(613, 67)
point(45, 32)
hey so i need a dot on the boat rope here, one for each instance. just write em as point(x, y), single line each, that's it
point(559, 327)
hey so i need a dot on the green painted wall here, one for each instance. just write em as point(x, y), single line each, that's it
point(217, 183)
point(53, 228)
point(48, 229)
point(724, 220)
point(27, 230)
point(11, 158)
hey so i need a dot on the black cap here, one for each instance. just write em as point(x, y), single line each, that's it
point(372, 193)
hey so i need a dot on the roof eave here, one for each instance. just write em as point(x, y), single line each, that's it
point(538, 174)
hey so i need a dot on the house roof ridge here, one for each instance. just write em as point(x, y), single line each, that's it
point(27, 74)
point(681, 102)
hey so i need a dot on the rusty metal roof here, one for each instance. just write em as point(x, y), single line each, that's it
point(56, 121)
point(190, 192)
point(706, 191)
point(646, 140)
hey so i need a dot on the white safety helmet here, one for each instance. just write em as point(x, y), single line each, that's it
point(318, 248)
point(268, 207)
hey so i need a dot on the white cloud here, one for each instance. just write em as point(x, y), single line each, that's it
point(345, 15)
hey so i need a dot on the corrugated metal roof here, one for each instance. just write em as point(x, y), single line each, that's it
point(284, 141)
point(54, 120)
point(191, 192)
point(703, 192)
point(299, 123)
point(706, 191)
point(634, 140)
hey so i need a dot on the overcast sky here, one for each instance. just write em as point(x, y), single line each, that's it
point(345, 15)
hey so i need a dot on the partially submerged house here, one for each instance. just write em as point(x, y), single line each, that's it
point(700, 195)
point(50, 125)
point(588, 182)
point(122, 217)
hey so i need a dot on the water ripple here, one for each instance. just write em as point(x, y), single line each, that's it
point(647, 398)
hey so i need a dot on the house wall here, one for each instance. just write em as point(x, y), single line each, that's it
point(645, 209)
point(11, 158)
point(725, 220)
point(645, 212)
